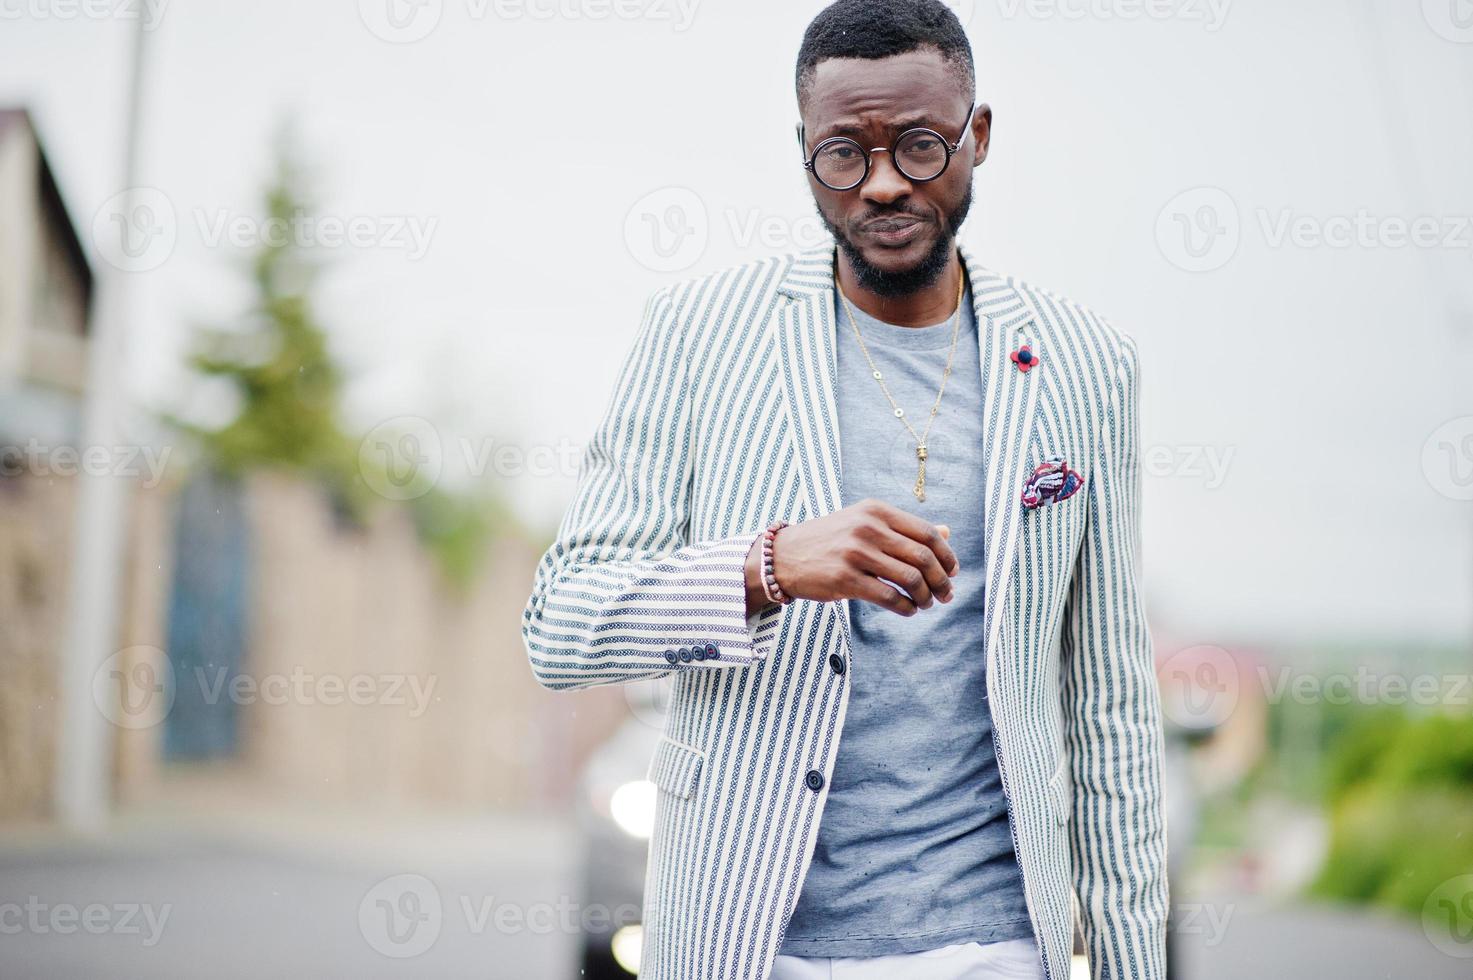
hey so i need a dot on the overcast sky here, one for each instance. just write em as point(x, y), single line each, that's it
point(1231, 182)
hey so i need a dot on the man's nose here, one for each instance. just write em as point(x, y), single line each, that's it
point(885, 183)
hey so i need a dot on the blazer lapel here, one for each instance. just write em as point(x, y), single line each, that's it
point(1010, 406)
point(809, 366)
point(808, 362)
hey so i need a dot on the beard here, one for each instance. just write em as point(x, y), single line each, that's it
point(883, 282)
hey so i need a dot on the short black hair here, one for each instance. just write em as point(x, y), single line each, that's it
point(880, 29)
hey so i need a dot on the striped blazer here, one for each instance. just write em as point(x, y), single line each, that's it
point(723, 420)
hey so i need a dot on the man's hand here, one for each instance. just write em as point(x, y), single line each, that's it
point(844, 555)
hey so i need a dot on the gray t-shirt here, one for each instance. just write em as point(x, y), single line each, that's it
point(914, 850)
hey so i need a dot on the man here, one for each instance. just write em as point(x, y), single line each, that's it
point(908, 728)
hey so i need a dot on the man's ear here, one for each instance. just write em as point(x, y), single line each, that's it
point(982, 129)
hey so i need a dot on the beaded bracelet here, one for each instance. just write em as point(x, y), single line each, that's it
point(769, 579)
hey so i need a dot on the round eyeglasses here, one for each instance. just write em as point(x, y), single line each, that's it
point(842, 164)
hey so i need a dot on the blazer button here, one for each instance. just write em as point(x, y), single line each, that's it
point(684, 655)
point(712, 653)
point(815, 780)
point(698, 653)
point(670, 657)
point(837, 662)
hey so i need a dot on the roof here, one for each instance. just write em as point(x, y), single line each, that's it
point(51, 199)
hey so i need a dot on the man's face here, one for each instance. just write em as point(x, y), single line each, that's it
point(897, 233)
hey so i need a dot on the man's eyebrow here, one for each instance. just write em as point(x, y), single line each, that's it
point(851, 128)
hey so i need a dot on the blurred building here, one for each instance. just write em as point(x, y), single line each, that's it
point(45, 295)
point(45, 280)
point(301, 659)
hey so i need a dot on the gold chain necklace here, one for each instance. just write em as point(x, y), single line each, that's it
point(920, 487)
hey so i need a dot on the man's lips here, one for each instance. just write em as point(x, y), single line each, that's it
point(894, 231)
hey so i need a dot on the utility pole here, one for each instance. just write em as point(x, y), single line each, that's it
point(83, 773)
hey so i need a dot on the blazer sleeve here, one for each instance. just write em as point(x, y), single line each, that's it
point(622, 593)
point(1112, 714)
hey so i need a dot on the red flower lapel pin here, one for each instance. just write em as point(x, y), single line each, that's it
point(1025, 358)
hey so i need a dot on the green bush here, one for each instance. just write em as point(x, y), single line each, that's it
point(1400, 792)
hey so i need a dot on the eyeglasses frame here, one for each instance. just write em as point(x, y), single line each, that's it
point(951, 148)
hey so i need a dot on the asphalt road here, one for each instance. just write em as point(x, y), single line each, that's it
point(206, 908)
point(192, 906)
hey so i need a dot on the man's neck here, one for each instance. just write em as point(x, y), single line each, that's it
point(922, 308)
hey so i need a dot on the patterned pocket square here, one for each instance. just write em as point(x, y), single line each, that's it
point(1051, 482)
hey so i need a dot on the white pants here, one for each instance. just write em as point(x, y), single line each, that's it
point(1011, 959)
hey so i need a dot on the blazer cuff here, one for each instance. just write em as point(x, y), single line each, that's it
point(744, 638)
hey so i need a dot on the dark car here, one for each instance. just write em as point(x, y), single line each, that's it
point(615, 814)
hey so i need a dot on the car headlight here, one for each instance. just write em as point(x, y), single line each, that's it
point(632, 806)
point(626, 944)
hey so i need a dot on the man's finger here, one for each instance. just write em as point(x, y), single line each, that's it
point(919, 529)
